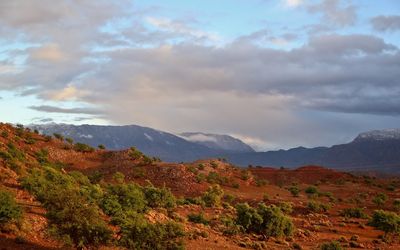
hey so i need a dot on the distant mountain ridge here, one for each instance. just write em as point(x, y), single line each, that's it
point(167, 146)
point(218, 142)
point(377, 150)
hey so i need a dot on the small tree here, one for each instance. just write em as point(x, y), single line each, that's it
point(380, 199)
point(9, 210)
point(294, 190)
point(388, 222)
point(212, 197)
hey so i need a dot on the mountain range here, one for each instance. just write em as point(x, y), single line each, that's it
point(377, 150)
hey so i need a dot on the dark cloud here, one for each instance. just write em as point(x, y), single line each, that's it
point(386, 23)
point(52, 109)
point(42, 120)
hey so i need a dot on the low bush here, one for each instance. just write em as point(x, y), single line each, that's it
point(159, 197)
point(84, 148)
point(266, 220)
point(294, 190)
point(318, 207)
point(380, 199)
point(213, 196)
point(9, 209)
point(311, 190)
point(333, 245)
point(389, 222)
point(354, 213)
point(198, 218)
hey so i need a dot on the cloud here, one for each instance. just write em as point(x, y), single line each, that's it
point(293, 3)
point(53, 109)
point(333, 12)
point(67, 93)
point(200, 138)
point(386, 23)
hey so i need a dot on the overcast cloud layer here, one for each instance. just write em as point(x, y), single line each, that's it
point(114, 61)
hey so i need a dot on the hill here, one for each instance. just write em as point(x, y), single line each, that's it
point(377, 151)
point(56, 194)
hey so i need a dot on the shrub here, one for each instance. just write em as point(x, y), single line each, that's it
point(71, 215)
point(137, 233)
point(380, 199)
point(388, 222)
point(200, 178)
point(4, 134)
point(9, 210)
point(201, 166)
point(266, 220)
point(354, 213)
point(134, 153)
point(294, 190)
point(245, 175)
point(215, 178)
point(214, 165)
point(42, 156)
point(261, 182)
point(311, 190)
point(212, 197)
point(84, 148)
point(318, 207)
point(198, 218)
point(121, 198)
point(58, 136)
point(333, 245)
point(286, 207)
point(69, 140)
point(119, 177)
point(396, 204)
point(159, 197)
point(101, 146)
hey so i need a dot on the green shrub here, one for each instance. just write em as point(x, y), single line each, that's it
point(101, 146)
point(159, 197)
point(245, 175)
point(200, 178)
point(198, 218)
point(215, 178)
point(261, 182)
point(380, 199)
point(333, 245)
point(84, 148)
point(286, 207)
point(396, 204)
point(266, 220)
point(119, 177)
point(201, 166)
point(318, 207)
point(9, 210)
point(388, 222)
point(311, 190)
point(214, 165)
point(354, 213)
point(69, 140)
point(58, 136)
point(212, 197)
point(4, 134)
point(42, 156)
point(294, 190)
point(137, 233)
point(121, 198)
point(134, 153)
point(71, 214)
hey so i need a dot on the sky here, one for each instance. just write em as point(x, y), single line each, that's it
point(274, 73)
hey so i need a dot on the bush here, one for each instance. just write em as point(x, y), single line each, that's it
point(261, 182)
point(101, 146)
point(266, 220)
point(318, 207)
point(212, 197)
point(58, 136)
point(294, 190)
point(198, 218)
point(84, 148)
point(354, 213)
point(71, 214)
point(396, 204)
point(311, 190)
point(215, 178)
point(380, 199)
point(286, 207)
point(137, 233)
point(333, 245)
point(9, 209)
point(388, 222)
point(119, 177)
point(159, 197)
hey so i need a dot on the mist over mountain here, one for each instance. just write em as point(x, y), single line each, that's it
point(377, 150)
point(218, 142)
point(167, 146)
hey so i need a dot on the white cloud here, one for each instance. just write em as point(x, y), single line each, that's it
point(293, 3)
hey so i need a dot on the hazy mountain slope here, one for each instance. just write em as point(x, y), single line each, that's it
point(375, 150)
point(152, 142)
point(218, 142)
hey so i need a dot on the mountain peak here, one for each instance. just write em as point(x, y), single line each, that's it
point(379, 135)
